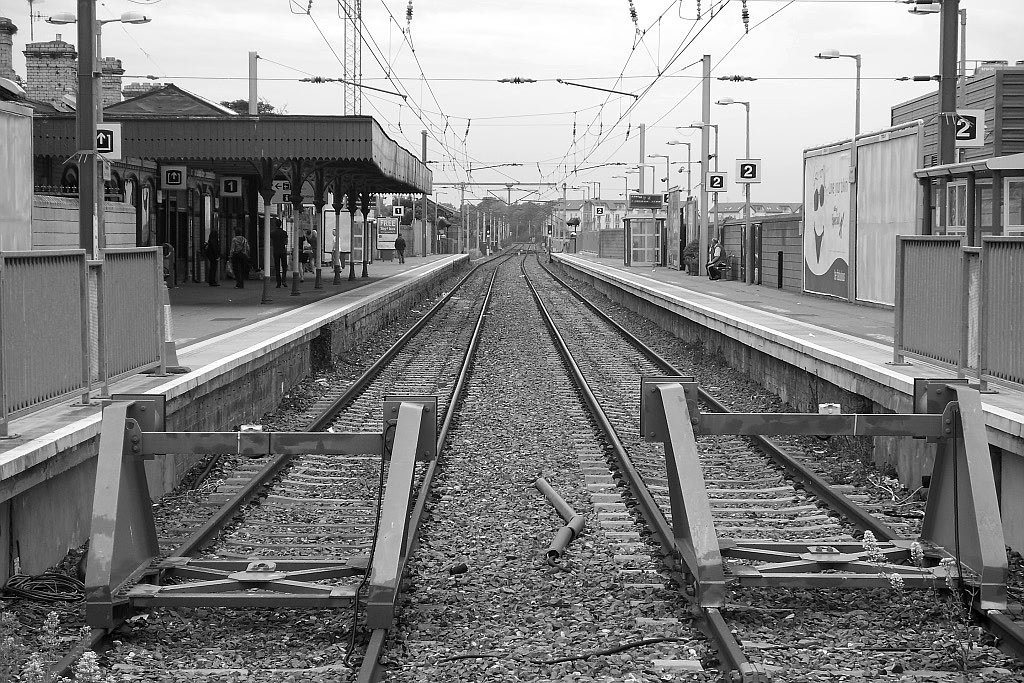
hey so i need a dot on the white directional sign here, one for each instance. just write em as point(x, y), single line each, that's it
point(108, 140)
point(970, 127)
point(173, 177)
point(748, 170)
point(282, 192)
point(230, 186)
point(397, 211)
point(716, 181)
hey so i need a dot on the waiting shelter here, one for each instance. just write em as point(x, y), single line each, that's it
point(982, 196)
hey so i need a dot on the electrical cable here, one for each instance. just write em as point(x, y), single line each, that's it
point(48, 587)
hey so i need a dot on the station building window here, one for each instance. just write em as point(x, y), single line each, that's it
point(1013, 206)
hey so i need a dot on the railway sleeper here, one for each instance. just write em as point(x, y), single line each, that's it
point(123, 575)
point(961, 537)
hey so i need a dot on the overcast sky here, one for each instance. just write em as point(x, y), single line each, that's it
point(464, 46)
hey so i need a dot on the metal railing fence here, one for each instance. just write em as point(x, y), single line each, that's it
point(44, 329)
point(1001, 316)
point(928, 297)
point(962, 306)
point(66, 323)
point(130, 311)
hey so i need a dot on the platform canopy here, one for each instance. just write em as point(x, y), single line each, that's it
point(1009, 165)
point(354, 150)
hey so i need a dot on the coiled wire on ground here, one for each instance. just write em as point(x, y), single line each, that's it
point(48, 587)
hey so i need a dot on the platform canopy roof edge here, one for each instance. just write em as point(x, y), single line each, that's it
point(355, 150)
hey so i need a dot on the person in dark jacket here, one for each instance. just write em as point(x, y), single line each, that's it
point(716, 260)
point(239, 255)
point(212, 251)
point(400, 248)
point(279, 252)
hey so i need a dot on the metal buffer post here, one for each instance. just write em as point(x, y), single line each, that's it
point(123, 538)
point(962, 519)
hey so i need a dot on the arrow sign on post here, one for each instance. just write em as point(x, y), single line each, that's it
point(108, 140)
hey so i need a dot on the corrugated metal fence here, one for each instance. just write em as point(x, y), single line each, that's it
point(44, 321)
point(61, 315)
point(961, 306)
point(1002, 313)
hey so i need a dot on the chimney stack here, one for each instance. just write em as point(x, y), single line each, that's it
point(112, 73)
point(51, 70)
point(7, 31)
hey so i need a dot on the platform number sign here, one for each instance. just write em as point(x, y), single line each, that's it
point(598, 210)
point(231, 186)
point(969, 127)
point(397, 211)
point(716, 181)
point(172, 177)
point(748, 171)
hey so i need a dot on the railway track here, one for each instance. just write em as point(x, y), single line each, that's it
point(483, 600)
point(759, 491)
point(315, 507)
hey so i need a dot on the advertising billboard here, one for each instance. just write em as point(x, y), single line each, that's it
point(387, 232)
point(826, 242)
point(887, 206)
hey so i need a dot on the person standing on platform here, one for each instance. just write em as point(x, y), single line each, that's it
point(239, 254)
point(306, 255)
point(716, 257)
point(400, 248)
point(314, 245)
point(279, 252)
point(212, 252)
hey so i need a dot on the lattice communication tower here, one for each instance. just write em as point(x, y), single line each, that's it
point(353, 67)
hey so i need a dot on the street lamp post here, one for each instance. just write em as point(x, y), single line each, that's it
point(851, 231)
point(701, 126)
point(668, 170)
point(689, 161)
point(748, 229)
point(90, 91)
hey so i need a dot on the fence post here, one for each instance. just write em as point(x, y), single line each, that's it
point(983, 295)
point(101, 342)
point(86, 359)
point(3, 375)
point(965, 304)
point(897, 333)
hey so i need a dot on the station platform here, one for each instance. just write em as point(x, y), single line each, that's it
point(803, 336)
point(243, 357)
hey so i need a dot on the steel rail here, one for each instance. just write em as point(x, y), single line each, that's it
point(371, 668)
point(1001, 625)
point(730, 651)
point(223, 516)
point(812, 481)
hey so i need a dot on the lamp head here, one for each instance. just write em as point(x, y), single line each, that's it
point(697, 124)
point(726, 100)
point(62, 18)
point(134, 18)
point(930, 8)
point(828, 54)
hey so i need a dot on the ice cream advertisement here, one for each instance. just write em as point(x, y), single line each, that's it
point(827, 223)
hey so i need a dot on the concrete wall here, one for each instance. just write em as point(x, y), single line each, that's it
point(39, 532)
point(912, 459)
point(55, 223)
point(15, 177)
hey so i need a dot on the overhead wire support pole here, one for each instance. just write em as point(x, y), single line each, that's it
point(703, 238)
